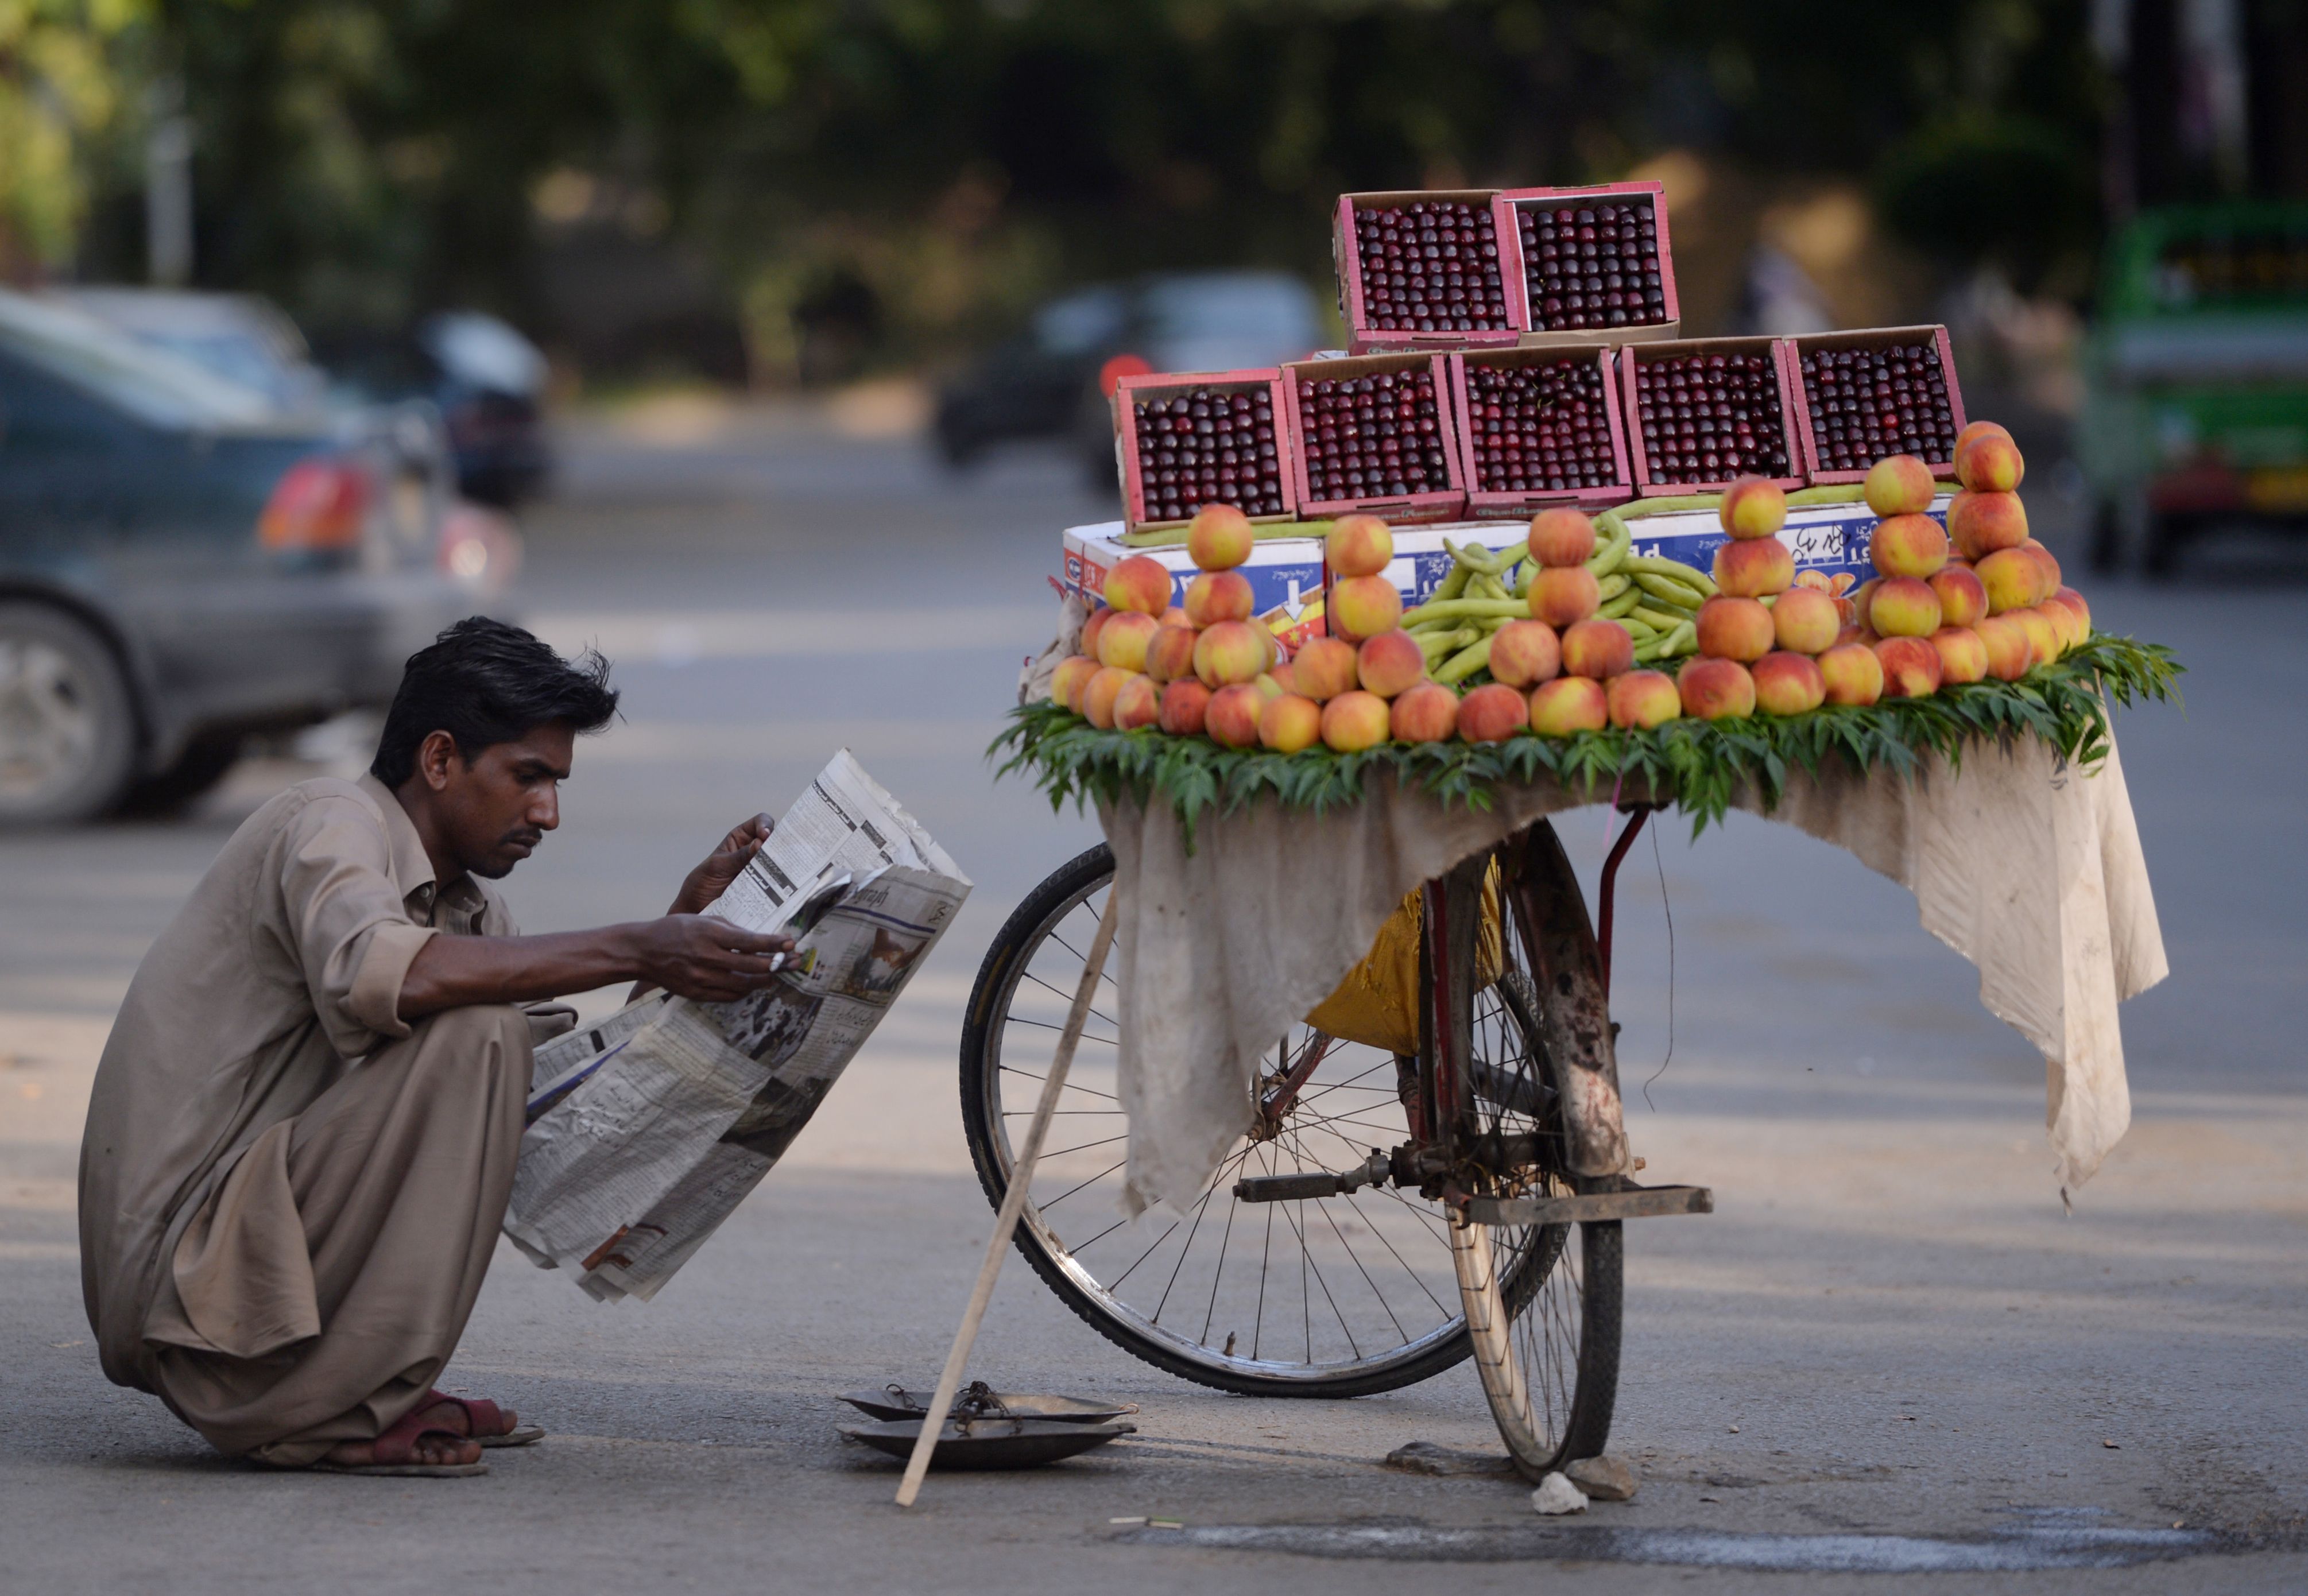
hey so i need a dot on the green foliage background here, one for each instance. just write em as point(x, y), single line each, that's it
point(357, 158)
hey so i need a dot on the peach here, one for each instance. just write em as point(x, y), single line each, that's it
point(1184, 703)
point(1564, 595)
point(1066, 681)
point(2010, 654)
point(1138, 583)
point(1364, 606)
point(1427, 713)
point(1137, 704)
point(1904, 607)
point(1899, 485)
point(1268, 688)
point(1962, 599)
point(1493, 712)
point(1099, 693)
point(1389, 664)
point(1562, 537)
point(1175, 616)
point(1219, 538)
point(1125, 640)
point(2010, 578)
point(1289, 723)
point(1217, 596)
point(1091, 627)
point(1324, 668)
point(1171, 654)
point(1975, 429)
point(2043, 641)
point(1963, 653)
point(1804, 621)
point(1752, 507)
point(2064, 626)
point(1285, 677)
point(1862, 597)
point(1907, 546)
point(1990, 463)
point(1787, 683)
point(1525, 653)
point(2075, 600)
point(2049, 579)
point(1911, 667)
point(1231, 717)
point(1739, 629)
point(1598, 649)
point(1359, 545)
point(1716, 689)
point(1980, 523)
point(1353, 722)
point(1753, 568)
point(1229, 652)
point(1858, 634)
point(1566, 705)
point(1852, 674)
point(1644, 698)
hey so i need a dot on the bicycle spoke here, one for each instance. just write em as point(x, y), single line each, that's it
point(1071, 1190)
point(1012, 1069)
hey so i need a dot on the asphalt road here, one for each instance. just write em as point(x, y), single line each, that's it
point(1889, 1348)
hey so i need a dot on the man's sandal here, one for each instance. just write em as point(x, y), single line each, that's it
point(485, 1421)
point(395, 1453)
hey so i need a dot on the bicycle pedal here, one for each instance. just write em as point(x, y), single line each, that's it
point(1310, 1184)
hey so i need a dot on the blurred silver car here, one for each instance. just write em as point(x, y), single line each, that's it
point(182, 564)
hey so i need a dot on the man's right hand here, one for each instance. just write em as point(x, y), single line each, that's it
point(704, 958)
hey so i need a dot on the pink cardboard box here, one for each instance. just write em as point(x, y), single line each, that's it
point(1655, 314)
point(1482, 457)
point(1141, 443)
point(1358, 290)
point(1652, 421)
point(1925, 428)
point(1425, 422)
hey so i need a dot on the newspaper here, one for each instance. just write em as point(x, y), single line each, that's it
point(647, 1128)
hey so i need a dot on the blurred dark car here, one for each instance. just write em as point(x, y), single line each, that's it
point(181, 566)
point(1052, 379)
point(485, 379)
point(242, 338)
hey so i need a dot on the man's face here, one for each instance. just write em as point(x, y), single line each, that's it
point(494, 811)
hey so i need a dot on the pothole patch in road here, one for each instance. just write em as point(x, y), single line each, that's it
point(2042, 1540)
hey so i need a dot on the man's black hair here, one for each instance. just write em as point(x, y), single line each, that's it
point(486, 683)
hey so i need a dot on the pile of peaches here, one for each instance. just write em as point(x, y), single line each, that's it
point(1990, 605)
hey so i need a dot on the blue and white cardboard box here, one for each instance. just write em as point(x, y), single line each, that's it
point(1286, 575)
point(1828, 541)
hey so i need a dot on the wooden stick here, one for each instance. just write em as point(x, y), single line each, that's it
point(1013, 1204)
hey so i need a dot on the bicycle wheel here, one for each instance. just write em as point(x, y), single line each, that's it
point(1542, 1303)
point(1330, 1296)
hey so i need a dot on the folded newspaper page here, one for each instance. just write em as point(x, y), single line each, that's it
point(647, 1128)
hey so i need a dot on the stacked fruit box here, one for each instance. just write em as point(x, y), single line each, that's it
point(1374, 433)
point(1704, 411)
point(1538, 426)
point(1863, 395)
point(1186, 440)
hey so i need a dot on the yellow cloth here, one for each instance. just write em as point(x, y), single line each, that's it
point(1377, 1004)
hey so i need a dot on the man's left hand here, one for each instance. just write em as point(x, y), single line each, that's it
point(724, 865)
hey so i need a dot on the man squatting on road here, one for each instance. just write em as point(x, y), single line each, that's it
point(303, 1131)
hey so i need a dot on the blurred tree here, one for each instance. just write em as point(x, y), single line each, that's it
point(61, 86)
point(362, 158)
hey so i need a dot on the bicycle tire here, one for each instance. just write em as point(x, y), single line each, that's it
point(1593, 1273)
point(1067, 888)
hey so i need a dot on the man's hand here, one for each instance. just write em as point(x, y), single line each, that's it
point(723, 865)
point(704, 959)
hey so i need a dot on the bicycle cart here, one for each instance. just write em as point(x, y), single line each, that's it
point(1385, 1213)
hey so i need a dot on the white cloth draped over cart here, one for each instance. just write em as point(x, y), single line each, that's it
point(2025, 865)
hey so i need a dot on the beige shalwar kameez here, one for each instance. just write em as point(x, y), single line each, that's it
point(289, 1195)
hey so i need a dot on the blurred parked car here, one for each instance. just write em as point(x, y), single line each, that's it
point(182, 565)
point(1053, 379)
point(242, 338)
point(485, 379)
point(2196, 378)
